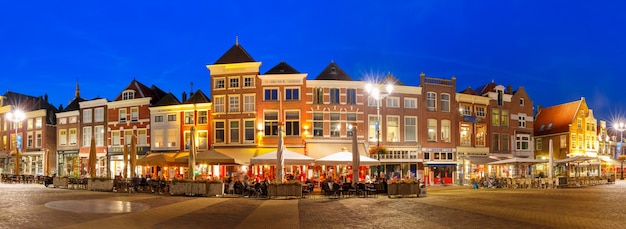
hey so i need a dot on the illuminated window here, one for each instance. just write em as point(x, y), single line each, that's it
point(466, 134)
point(62, 137)
point(410, 129)
point(432, 130)
point(465, 110)
point(219, 132)
point(73, 137)
point(318, 124)
point(481, 134)
point(203, 117)
point(445, 130)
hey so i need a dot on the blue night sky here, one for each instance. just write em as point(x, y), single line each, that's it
point(559, 51)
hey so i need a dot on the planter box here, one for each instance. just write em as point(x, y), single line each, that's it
point(274, 190)
point(215, 189)
point(401, 189)
point(100, 185)
point(197, 189)
point(58, 182)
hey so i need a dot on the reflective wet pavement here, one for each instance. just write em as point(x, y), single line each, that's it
point(34, 206)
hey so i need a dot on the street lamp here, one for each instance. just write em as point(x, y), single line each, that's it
point(620, 127)
point(16, 117)
point(374, 92)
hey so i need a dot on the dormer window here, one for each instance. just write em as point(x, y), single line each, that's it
point(541, 127)
point(128, 94)
point(549, 126)
point(333, 70)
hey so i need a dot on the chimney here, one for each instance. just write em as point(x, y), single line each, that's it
point(510, 89)
point(45, 96)
point(184, 96)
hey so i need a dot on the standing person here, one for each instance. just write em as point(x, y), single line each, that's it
point(441, 179)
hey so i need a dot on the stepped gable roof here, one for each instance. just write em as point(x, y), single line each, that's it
point(141, 90)
point(198, 97)
point(282, 68)
point(390, 78)
point(235, 54)
point(73, 106)
point(556, 119)
point(167, 100)
point(30, 103)
point(333, 72)
point(469, 91)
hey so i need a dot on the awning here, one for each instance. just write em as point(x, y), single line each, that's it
point(574, 159)
point(212, 157)
point(518, 160)
point(440, 163)
point(480, 160)
point(243, 154)
point(345, 158)
point(322, 149)
point(159, 159)
point(290, 157)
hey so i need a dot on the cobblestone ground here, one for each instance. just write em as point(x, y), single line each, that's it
point(24, 206)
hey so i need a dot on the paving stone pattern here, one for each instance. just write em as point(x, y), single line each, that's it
point(23, 206)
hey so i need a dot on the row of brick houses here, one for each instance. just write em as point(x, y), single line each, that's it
point(432, 131)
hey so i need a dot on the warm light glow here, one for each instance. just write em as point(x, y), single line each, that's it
point(389, 88)
point(16, 116)
point(259, 126)
point(368, 87)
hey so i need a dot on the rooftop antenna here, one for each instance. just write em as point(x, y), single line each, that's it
point(237, 40)
point(191, 86)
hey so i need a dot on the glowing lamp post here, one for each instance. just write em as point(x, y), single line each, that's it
point(16, 117)
point(374, 92)
point(620, 127)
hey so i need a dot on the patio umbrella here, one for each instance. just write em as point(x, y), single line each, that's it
point(125, 160)
point(92, 158)
point(133, 155)
point(345, 158)
point(211, 156)
point(550, 160)
point(356, 160)
point(18, 159)
point(192, 154)
point(290, 158)
point(157, 159)
point(280, 157)
point(518, 160)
